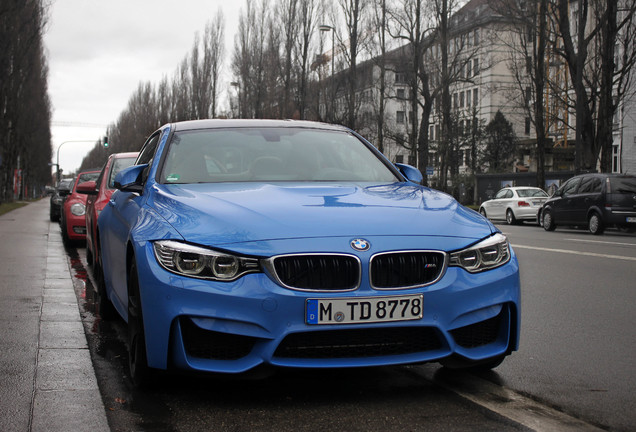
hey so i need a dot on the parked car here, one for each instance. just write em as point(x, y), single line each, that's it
point(72, 220)
point(61, 191)
point(594, 201)
point(232, 244)
point(515, 204)
point(98, 195)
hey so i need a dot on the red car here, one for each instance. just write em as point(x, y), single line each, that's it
point(98, 197)
point(73, 219)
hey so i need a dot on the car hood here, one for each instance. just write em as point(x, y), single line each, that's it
point(232, 213)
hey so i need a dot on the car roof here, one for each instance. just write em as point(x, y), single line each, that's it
point(521, 187)
point(124, 155)
point(250, 123)
point(607, 175)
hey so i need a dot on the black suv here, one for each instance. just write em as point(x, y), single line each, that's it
point(594, 201)
point(61, 191)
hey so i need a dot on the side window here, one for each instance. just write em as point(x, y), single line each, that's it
point(570, 187)
point(501, 194)
point(597, 185)
point(147, 154)
point(148, 150)
point(509, 194)
point(586, 185)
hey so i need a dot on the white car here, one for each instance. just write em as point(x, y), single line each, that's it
point(515, 204)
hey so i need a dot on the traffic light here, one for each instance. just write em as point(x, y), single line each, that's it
point(105, 141)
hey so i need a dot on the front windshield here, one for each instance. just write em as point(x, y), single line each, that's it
point(531, 193)
point(270, 154)
point(91, 176)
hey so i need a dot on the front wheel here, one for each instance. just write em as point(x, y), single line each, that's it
point(595, 224)
point(548, 222)
point(140, 373)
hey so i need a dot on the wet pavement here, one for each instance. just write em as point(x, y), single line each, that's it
point(47, 380)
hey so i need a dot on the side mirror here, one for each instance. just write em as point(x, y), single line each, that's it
point(87, 188)
point(129, 179)
point(411, 173)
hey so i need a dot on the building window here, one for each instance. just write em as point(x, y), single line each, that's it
point(615, 167)
point(400, 77)
point(469, 69)
point(455, 100)
point(476, 66)
point(431, 133)
point(401, 94)
point(399, 117)
point(475, 97)
point(527, 130)
point(461, 99)
point(476, 37)
point(399, 159)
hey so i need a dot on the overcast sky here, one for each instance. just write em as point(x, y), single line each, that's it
point(99, 51)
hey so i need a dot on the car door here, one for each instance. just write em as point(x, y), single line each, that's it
point(588, 195)
point(562, 208)
point(124, 209)
point(496, 207)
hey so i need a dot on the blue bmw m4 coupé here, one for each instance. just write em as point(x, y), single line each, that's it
point(232, 244)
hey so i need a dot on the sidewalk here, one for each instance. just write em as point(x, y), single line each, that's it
point(47, 381)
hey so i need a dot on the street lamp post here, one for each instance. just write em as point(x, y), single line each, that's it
point(328, 28)
point(57, 164)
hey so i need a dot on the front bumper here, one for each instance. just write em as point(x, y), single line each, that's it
point(234, 327)
point(75, 226)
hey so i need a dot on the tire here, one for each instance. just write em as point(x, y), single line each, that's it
point(106, 309)
point(65, 239)
point(482, 211)
point(510, 217)
point(548, 221)
point(89, 257)
point(595, 224)
point(140, 373)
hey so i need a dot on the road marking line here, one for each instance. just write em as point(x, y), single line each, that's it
point(592, 254)
point(601, 242)
point(507, 403)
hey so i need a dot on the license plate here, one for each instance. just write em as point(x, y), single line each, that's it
point(356, 310)
point(631, 219)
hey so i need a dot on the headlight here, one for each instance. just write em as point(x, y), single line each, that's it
point(485, 255)
point(199, 262)
point(78, 209)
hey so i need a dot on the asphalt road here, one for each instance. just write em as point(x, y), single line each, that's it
point(578, 342)
point(576, 358)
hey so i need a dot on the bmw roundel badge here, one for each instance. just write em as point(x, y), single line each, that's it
point(360, 244)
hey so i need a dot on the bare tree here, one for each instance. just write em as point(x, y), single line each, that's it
point(214, 52)
point(354, 12)
point(308, 14)
point(527, 22)
point(588, 32)
point(25, 139)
